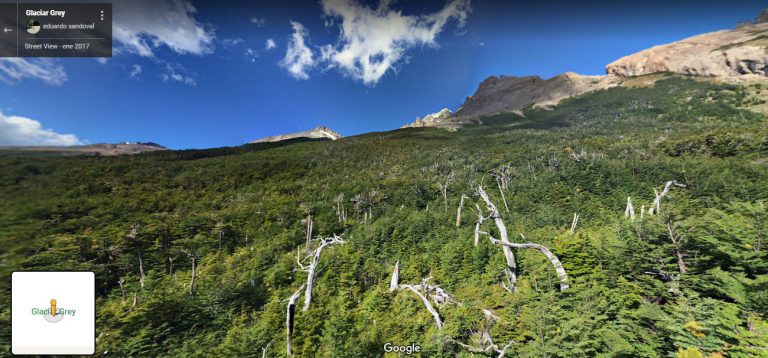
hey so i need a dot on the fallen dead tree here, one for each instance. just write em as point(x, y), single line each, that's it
point(423, 290)
point(507, 246)
point(482, 342)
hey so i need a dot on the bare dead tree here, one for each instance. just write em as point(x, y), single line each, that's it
point(122, 288)
point(443, 182)
point(341, 212)
point(678, 248)
point(395, 277)
point(132, 235)
point(458, 211)
point(192, 280)
point(479, 223)
point(629, 212)
point(311, 269)
point(511, 270)
point(265, 349)
point(559, 269)
point(574, 222)
point(503, 175)
point(656, 206)
point(482, 342)
point(422, 290)
point(290, 314)
point(310, 225)
point(142, 277)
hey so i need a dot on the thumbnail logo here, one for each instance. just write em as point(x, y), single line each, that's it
point(53, 314)
point(33, 27)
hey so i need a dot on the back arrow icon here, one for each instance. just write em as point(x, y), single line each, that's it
point(7, 30)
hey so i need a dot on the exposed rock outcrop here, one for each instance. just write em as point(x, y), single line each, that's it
point(510, 94)
point(431, 120)
point(730, 55)
point(316, 133)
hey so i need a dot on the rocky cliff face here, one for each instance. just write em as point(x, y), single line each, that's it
point(431, 120)
point(316, 133)
point(730, 55)
point(510, 94)
point(736, 55)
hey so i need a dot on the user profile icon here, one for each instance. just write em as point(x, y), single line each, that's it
point(33, 27)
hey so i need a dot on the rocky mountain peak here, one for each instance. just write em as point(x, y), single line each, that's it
point(318, 132)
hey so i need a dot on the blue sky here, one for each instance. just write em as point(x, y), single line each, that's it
point(205, 78)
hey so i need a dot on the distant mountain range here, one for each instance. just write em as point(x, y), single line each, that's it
point(739, 55)
point(319, 132)
point(94, 149)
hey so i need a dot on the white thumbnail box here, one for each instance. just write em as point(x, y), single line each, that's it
point(53, 313)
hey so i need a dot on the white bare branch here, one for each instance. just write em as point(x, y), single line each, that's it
point(393, 284)
point(561, 274)
point(312, 269)
point(511, 269)
point(629, 212)
point(656, 206)
point(574, 222)
point(422, 291)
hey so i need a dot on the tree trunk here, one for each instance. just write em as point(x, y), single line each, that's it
point(478, 224)
point(192, 281)
point(511, 270)
point(122, 289)
point(310, 225)
point(393, 284)
point(290, 313)
point(432, 311)
point(574, 223)
point(629, 212)
point(681, 266)
point(561, 274)
point(312, 270)
point(458, 211)
point(503, 198)
point(141, 269)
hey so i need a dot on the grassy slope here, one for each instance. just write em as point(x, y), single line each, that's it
point(239, 212)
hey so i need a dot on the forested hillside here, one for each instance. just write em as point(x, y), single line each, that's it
point(197, 253)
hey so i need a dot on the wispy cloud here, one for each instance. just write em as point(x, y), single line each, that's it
point(21, 131)
point(270, 44)
point(176, 72)
point(372, 41)
point(298, 58)
point(136, 71)
point(251, 55)
point(258, 21)
point(144, 25)
point(13, 70)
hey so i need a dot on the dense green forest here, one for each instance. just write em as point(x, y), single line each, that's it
point(689, 280)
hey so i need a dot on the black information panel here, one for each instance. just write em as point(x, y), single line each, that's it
point(55, 30)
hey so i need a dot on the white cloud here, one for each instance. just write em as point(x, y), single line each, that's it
point(251, 55)
point(270, 44)
point(13, 70)
point(143, 25)
point(372, 41)
point(229, 43)
point(16, 131)
point(298, 58)
point(259, 22)
point(136, 71)
point(176, 72)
